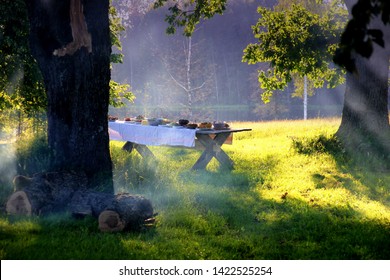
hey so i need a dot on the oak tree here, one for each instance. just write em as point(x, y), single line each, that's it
point(70, 41)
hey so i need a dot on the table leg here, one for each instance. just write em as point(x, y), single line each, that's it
point(213, 149)
point(143, 150)
point(128, 147)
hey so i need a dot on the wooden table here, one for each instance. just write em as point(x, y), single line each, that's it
point(210, 140)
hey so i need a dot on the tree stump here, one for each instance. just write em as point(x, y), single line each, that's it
point(55, 192)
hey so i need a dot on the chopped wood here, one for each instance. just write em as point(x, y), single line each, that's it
point(19, 204)
point(55, 192)
point(110, 221)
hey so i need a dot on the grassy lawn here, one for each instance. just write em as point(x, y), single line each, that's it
point(276, 204)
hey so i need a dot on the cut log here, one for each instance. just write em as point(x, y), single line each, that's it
point(115, 212)
point(66, 192)
point(48, 192)
point(110, 221)
point(133, 212)
point(19, 204)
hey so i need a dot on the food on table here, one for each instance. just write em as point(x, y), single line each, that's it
point(139, 118)
point(153, 122)
point(192, 125)
point(164, 121)
point(158, 121)
point(205, 125)
point(112, 118)
point(183, 122)
point(221, 125)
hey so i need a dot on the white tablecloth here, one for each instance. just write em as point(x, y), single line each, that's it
point(151, 135)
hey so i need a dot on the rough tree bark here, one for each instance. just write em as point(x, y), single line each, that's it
point(70, 40)
point(365, 121)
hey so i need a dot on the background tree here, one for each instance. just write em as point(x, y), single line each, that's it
point(295, 42)
point(187, 14)
point(186, 73)
point(21, 85)
point(129, 10)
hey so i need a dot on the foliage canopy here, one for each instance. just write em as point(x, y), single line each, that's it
point(188, 14)
point(21, 83)
point(294, 42)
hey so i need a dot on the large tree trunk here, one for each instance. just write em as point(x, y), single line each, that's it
point(71, 42)
point(365, 126)
point(365, 121)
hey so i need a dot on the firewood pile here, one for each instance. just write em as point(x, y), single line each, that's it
point(56, 192)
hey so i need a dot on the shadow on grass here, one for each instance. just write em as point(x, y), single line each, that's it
point(63, 237)
point(232, 225)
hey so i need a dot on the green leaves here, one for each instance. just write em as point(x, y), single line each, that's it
point(187, 14)
point(294, 42)
point(271, 80)
point(119, 93)
point(21, 84)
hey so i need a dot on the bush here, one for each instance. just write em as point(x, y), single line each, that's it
point(318, 144)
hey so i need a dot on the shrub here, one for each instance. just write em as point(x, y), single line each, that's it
point(318, 144)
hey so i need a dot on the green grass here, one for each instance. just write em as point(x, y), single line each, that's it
point(280, 202)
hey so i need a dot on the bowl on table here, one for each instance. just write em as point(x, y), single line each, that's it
point(112, 118)
point(153, 122)
point(205, 125)
point(192, 125)
point(221, 126)
point(183, 122)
